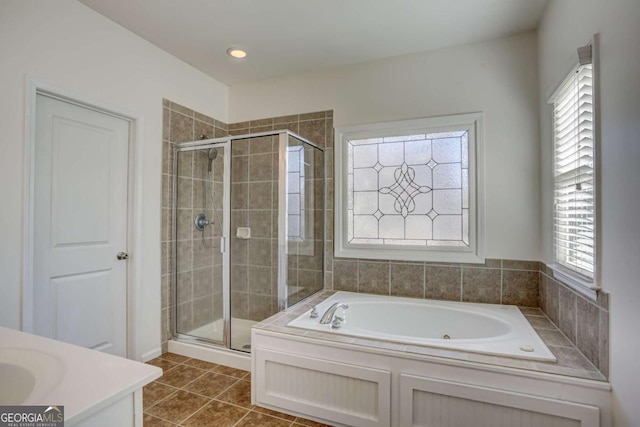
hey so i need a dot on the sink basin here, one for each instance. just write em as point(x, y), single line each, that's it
point(27, 375)
point(16, 385)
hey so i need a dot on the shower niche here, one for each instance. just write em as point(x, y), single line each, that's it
point(248, 233)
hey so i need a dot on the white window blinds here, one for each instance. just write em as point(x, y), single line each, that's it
point(574, 204)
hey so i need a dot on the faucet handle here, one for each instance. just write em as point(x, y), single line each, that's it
point(314, 311)
point(337, 322)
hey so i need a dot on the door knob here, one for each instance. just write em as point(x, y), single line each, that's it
point(122, 255)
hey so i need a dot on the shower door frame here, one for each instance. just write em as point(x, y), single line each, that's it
point(227, 143)
point(226, 229)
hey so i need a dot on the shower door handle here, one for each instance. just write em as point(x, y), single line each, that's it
point(122, 256)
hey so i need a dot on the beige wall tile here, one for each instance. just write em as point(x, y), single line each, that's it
point(314, 131)
point(520, 288)
point(481, 285)
point(567, 312)
point(204, 118)
point(509, 264)
point(373, 277)
point(311, 116)
point(182, 109)
point(443, 283)
point(407, 280)
point(345, 275)
point(202, 130)
point(181, 128)
point(588, 330)
point(603, 344)
point(552, 294)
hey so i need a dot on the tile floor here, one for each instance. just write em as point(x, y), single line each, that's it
point(194, 393)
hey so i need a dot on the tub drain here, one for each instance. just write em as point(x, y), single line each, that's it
point(446, 337)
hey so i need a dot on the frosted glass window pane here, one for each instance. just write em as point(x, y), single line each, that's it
point(293, 160)
point(465, 188)
point(447, 201)
point(387, 177)
point(293, 226)
point(365, 226)
point(446, 150)
point(293, 182)
point(368, 241)
point(349, 158)
point(419, 227)
point(423, 204)
point(392, 227)
point(465, 226)
point(365, 180)
point(465, 150)
point(366, 141)
point(447, 176)
point(364, 156)
point(293, 204)
point(403, 138)
point(365, 202)
point(422, 176)
point(451, 243)
point(417, 152)
point(391, 154)
point(387, 204)
point(455, 134)
point(405, 242)
point(447, 227)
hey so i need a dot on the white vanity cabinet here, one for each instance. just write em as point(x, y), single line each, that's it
point(344, 384)
point(96, 389)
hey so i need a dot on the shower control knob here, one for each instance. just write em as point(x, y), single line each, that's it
point(122, 256)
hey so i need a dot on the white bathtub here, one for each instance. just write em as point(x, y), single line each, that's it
point(482, 328)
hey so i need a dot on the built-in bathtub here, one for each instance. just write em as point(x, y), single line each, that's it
point(389, 366)
point(482, 328)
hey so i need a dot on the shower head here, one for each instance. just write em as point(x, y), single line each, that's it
point(213, 153)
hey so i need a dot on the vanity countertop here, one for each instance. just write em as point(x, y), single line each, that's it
point(84, 381)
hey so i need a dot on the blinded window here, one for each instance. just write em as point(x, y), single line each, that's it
point(574, 202)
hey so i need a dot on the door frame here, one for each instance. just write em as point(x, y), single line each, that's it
point(34, 87)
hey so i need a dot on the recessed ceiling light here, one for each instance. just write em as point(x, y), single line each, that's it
point(236, 53)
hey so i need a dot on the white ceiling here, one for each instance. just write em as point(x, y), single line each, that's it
point(289, 36)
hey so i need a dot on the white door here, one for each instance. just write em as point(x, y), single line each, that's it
point(80, 225)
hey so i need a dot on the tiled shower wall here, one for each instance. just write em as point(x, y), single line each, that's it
point(199, 270)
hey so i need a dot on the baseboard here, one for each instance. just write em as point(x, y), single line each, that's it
point(225, 357)
point(151, 354)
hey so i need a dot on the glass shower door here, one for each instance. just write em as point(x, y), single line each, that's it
point(199, 241)
point(305, 212)
point(254, 230)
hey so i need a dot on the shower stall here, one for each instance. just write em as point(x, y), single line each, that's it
point(248, 233)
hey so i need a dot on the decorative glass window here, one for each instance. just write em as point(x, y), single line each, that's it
point(409, 190)
point(574, 222)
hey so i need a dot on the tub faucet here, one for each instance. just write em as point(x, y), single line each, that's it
point(327, 317)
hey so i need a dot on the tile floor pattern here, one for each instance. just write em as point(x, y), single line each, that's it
point(194, 393)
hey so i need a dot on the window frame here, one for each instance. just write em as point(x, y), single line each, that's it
point(474, 253)
point(586, 286)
